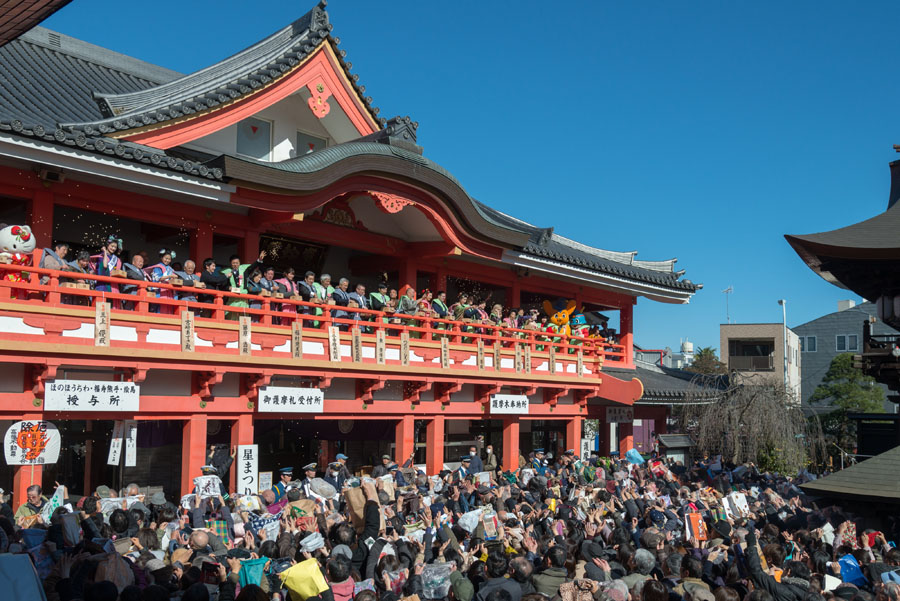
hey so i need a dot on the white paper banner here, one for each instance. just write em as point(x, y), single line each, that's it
point(282, 399)
point(55, 502)
point(107, 506)
point(265, 480)
point(516, 404)
point(115, 445)
point(208, 486)
point(619, 415)
point(31, 443)
point(90, 395)
point(248, 469)
point(130, 443)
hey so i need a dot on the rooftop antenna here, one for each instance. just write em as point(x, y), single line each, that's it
point(726, 292)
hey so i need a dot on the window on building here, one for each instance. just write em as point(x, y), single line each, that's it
point(841, 344)
point(802, 346)
point(254, 138)
point(852, 342)
point(307, 143)
point(810, 344)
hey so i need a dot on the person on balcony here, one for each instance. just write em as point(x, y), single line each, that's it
point(408, 306)
point(459, 307)
point(269, 284)
point(288, 287)
point(81, 264)
point(54, 258)
point(162, 272)
point(307, 289)
point(212, 280)
point(439, 306)
point(108, 261)
point(359, 297)
point(341, 298)
point(380, 301)
point(253, 287)
point(133, 271)
point(324, 290)
point(190, 278)
point(237, 281)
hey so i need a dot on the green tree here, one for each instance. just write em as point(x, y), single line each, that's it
point(847, 388)
point(706, 362)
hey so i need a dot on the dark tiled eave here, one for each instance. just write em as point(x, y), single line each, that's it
point(228, 81)
point(18, 16)
point(126, 151)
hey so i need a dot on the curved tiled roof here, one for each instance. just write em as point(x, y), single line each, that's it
point(19, 16)
point(227, 81)
point(668, 385)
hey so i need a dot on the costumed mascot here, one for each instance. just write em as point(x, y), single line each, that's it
point(16, 245)
point(559, 314)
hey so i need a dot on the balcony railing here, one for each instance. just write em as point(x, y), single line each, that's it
point(750, 363)
point(212, 309)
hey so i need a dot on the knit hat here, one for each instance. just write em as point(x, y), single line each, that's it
point(342, 551)
point(463, 590)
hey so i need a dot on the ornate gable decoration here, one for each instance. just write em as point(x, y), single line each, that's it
point(303, 54)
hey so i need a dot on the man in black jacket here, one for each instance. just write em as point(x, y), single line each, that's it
point(791, 587)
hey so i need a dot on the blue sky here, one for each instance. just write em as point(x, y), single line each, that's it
point(699, 130)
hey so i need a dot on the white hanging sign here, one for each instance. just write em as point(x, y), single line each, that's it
point(248, 469)
point(283, 399)
point(130, 443)
point(115, 445)
point(31, 443)
point(619, 415)
point(91, 395)
point(509, 404)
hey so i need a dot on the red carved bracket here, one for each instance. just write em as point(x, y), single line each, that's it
point(325, 382)
point(366, 388)
point(443, 390)
point(318, 102)
point(138, 374)
point(552, 395)
point(203, 382)
point(219, 338)
point(412, 391)
point(527, 390)
point(253, 382)
point(268, 341)
point(582, 396)
point(483, 392)
point(40, 375)
point(390, 203)
point(52, 326)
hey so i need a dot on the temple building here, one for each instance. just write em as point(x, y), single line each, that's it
point(277, 150)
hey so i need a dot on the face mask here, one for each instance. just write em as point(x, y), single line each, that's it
point(472, 453)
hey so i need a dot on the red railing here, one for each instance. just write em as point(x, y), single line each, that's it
point(213, 305)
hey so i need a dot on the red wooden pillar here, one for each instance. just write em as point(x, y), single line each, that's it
point(573, 434)
point(515, 294)
point(405, 439)
point(249, 247)
point(40, 217)
point(626, 331)
point(241, 434)
point(26, 475)
point(193, 451)
point(202, 245)
point(407, 275)
point(510, 444)
point(434, 454)
point(626, 437)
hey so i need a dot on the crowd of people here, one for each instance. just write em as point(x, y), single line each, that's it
point(253, 281)
point(566, 527)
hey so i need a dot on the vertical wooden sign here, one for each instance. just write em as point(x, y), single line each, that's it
point(518, 361)
point(187, 331)
point(356, 346)
point(552, 363)
point(445, 353)
point(101, 325)
point(379, 347)
point(244, 335)
point(404, 348)
point(297, 340)
point(480, 355)
point(497, 356)
point(579, 365)
point(527, 358)
point(334, 343)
